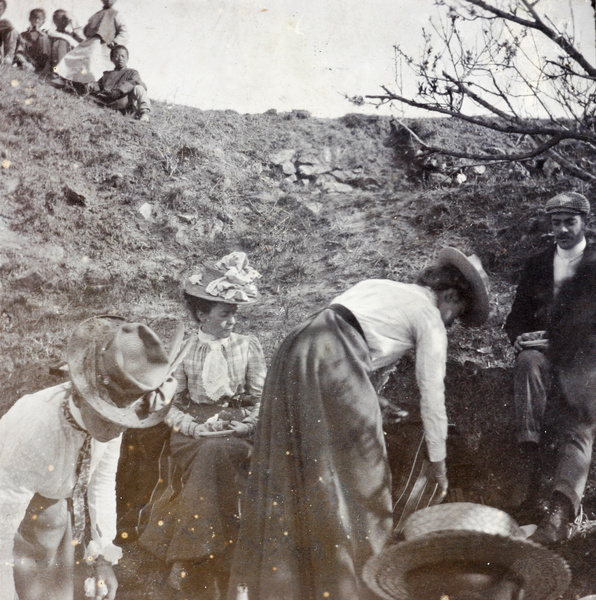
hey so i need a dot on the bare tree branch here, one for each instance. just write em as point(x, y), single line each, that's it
point(511, 76)
point(482, 156)
point(525, 128)
point(541, 26)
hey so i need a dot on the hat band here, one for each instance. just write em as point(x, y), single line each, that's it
point(121, 392)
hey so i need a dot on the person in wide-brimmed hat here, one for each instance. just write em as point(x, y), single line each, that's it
point(319, 490)
point(465, 551)
point(220, 383)
point(59, 451)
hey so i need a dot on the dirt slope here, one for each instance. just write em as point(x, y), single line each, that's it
point(102, 214)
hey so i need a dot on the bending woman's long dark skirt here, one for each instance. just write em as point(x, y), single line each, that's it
point(318, 502)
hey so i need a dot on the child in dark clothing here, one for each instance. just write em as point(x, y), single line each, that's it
point(122, 89)
point(8, 38)
point(34, 47)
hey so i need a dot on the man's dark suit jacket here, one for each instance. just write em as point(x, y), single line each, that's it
point(534, 295)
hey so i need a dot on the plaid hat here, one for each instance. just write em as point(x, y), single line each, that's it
point(569, 202)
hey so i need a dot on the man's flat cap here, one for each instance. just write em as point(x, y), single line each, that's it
point(569, 202)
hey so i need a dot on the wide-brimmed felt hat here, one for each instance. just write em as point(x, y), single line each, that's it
point(472, 270)
point(118, 368)
point(568, 202)
point(465, 532)
point(230, 280)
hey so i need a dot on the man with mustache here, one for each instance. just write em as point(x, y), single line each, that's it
point(540, 282)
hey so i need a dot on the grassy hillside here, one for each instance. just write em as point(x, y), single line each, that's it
point(103, 214)
point(75, 242)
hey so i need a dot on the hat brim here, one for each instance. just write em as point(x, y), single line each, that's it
point(81, 355)
point(478, 279)
point(544, 574)
point(200, 291)
point(565, 211)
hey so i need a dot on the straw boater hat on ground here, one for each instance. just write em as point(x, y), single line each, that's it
point(230, 280)
point(115, 366)
point(466, 532)
point(471, 268)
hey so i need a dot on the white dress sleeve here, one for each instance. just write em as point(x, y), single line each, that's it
point(431, 360)
point(101, 496)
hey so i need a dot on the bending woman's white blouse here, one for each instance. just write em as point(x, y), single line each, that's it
point(396, 317)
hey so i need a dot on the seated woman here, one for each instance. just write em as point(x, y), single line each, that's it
point(219, 389)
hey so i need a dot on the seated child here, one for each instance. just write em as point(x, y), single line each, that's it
point(64, 37)
point(34, 47)
point(8, 38)
point(122, 89)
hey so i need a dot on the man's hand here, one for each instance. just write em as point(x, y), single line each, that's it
point(438, 472)
point(531, 339)
point(106, 583)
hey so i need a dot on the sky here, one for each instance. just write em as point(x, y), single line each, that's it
point(254, 55)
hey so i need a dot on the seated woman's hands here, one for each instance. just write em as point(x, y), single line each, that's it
point(198, 429)
point(236, 428)
point(229, 417)
point(240, 429)
point(224, 415)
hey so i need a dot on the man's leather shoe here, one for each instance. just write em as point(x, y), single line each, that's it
point(554, 528)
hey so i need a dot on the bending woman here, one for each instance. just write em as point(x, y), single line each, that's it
point(219, 389)
point(318, 502)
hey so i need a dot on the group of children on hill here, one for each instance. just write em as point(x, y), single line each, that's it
point(73, 56)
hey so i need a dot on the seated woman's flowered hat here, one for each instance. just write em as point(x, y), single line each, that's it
point(230, 280)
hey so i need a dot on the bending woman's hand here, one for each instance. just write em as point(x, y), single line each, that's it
point(438, 472)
